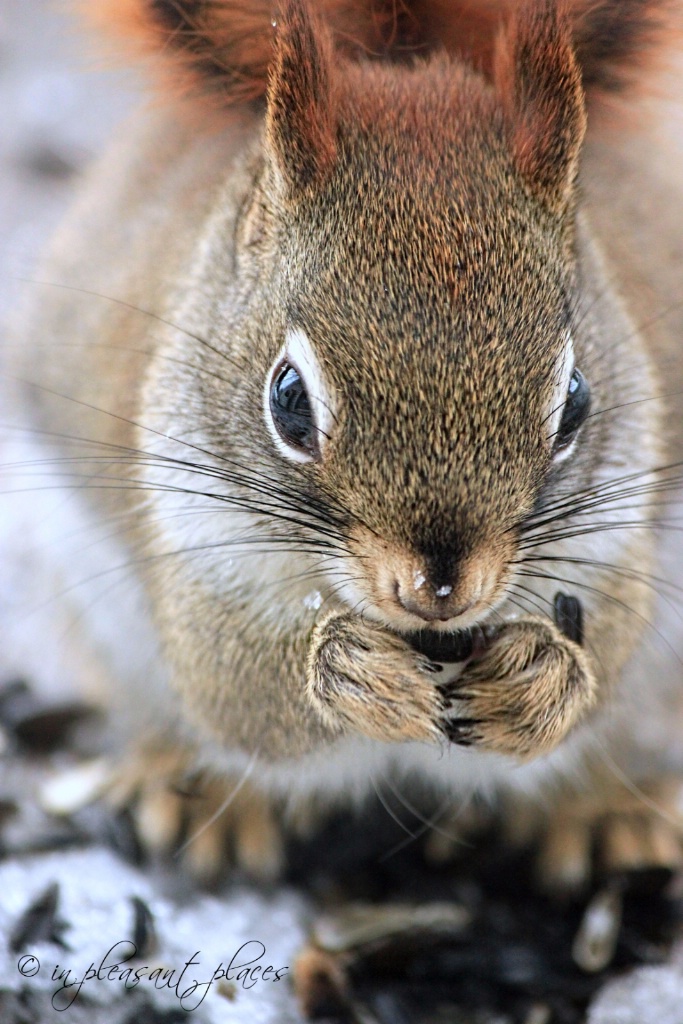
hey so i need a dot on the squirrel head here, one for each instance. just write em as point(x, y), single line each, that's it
point(423, 223)
point(405, 295)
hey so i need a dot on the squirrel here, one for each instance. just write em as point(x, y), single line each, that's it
point(347, 367)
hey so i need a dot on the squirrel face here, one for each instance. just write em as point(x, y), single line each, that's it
point(407, 298)
point(394, 271)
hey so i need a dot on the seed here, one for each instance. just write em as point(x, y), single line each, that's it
point(596, 940)
point(144, 931)
point(39, 922)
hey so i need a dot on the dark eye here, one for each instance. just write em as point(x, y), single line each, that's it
point(576, 409)
point(291, 410)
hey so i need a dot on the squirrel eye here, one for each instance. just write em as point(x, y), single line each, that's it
point(576, 409)
point(290, 408)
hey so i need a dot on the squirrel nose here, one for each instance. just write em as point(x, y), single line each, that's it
point(433, 602)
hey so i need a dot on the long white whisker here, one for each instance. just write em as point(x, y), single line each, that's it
point(224, 806)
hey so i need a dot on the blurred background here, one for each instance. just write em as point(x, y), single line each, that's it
point(57, 108)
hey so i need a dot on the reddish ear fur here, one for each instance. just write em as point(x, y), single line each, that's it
point(539, 85)
point(616, 40)
point(301, 118)
point(223, 49)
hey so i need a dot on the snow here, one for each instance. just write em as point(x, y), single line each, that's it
point(221, 937)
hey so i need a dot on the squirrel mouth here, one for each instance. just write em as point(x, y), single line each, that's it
point(440, 646)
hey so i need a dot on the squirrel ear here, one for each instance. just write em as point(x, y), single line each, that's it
point(616, 40)
point(218, 54)
point(219, 50)
point(301, 112)
point(538, 81)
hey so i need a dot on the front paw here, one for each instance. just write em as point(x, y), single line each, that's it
point(364, 678)
point(531, 685)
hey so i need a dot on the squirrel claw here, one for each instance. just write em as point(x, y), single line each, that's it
point(529, 687)
point(463, 731)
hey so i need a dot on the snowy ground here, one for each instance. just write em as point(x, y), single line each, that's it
point(201, 961)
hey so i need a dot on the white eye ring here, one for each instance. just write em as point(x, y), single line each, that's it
point(563, 453)
point(298, 352)
point(576, 411)
point(564, 369)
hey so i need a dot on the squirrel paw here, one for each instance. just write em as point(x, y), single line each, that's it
point(521, 697)
point(209, 822)
point(364, 678)
point(608, 829)
point(619, 831)
point(212, 821)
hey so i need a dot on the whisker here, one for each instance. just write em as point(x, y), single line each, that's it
point(394, 817)
point(136, 309)
point(613, 600)
point(156, 433)
point(535, 596)
point(637, 574)
point(427, 824)
point(587, 530)
point(602, 493)
point(636, 791)
point(224, 806)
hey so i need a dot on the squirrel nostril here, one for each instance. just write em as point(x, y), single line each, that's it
point(430, 605)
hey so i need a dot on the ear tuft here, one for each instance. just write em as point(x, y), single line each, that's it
point(617, 40)
point(222, 50)
point(301, 114)
point(219, 49)
point(538, 82)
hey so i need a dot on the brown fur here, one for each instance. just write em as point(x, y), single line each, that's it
point(531, 686)
point(528, 690)
point(481, 579)
point(302, 107)
point(173, 799)
point(368, 681)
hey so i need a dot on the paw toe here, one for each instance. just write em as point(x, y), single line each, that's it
point(638, 843)
point(158, 818)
